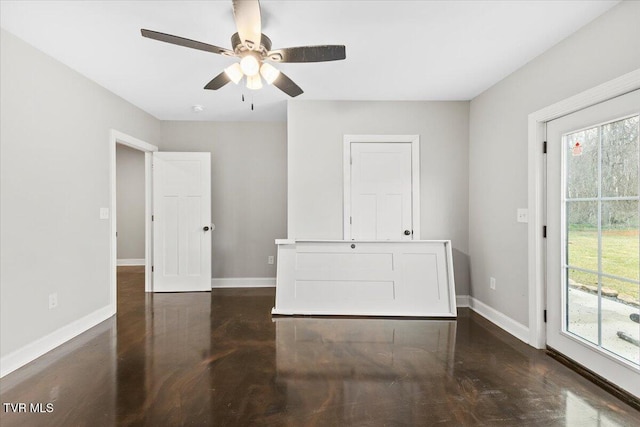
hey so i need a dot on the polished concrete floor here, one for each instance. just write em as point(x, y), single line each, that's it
point(220, 359)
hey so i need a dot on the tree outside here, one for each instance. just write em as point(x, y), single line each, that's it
point(602, 187)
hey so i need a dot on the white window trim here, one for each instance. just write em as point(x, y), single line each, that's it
point(536, 175)
point(414, 140)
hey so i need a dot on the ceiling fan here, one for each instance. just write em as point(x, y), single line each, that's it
point(254, 50)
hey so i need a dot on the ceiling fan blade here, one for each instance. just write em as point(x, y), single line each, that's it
point(181, 41)
point(287, 85)
point(308, 54)
point(218, 81)
point(248, 22)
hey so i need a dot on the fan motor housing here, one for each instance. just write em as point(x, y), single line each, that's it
point(239, 48)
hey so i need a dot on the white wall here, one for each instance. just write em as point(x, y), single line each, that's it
point(248, 189)
point(602, 50)
point(54, 135)
point(130, 202)
point(315, 177)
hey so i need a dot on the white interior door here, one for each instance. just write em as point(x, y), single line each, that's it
point(381, 192)
point(593, 246)
point(182, 222)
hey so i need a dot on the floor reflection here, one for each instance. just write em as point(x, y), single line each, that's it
point(79, 374)
point(220, 358)
point(354, 370)
point(580, 413)
point(160, 362)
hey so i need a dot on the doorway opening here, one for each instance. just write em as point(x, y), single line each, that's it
point(130, 206)
point(592, 261)
point(536, 194)
point(540, 241)
point(120, 139)
point(130, 215)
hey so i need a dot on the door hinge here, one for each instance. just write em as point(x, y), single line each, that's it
point(544, 314)
point(544, 147)
point(152, 268)
point(350, 160)
point(116, 234)
point(544, 231)
point(350, 220)
point(152, 218)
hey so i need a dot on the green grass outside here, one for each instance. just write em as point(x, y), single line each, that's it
point(620, 257)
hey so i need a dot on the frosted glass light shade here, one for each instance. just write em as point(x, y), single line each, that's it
point(234, 72)
point(254, 82)
point(269, 73)
point(249, 65)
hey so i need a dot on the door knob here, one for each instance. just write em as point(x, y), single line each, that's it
point(205, 228)
point(407, 232)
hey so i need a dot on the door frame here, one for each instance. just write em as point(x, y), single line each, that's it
point(537, 192)
point(414, 140)
point(116, 137)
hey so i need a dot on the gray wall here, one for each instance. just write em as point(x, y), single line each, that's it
point(248, 189)
point(604, 49)
point(130, 202)
point(315, 150)
point(54, 133)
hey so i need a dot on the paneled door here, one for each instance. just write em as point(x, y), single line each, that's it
point(182, 222)
point(593, 246)
point(381, 191)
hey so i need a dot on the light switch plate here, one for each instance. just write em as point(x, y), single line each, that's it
point(523, 215)
point(104, 213)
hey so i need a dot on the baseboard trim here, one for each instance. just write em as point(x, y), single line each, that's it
point(32, 351)
point(500, 319)
point(462, 301)
point(243, 282)
point(131, 261)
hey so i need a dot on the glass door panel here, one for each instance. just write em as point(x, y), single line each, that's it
point(582, 234)
point(582, 305)
point(593, 258)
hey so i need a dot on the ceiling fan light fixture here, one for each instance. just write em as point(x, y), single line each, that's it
point(269, 72)
point(254, 82)
point(250, 65)
point(234, 72)
point(253, 48)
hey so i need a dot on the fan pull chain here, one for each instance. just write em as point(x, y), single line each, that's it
point(243, 97)
point(251, 102)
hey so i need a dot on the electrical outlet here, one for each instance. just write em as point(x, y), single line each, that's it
point(492, 283)
point(270, 259)
point(53, 300)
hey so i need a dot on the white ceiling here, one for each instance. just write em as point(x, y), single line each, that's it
point(396, 50)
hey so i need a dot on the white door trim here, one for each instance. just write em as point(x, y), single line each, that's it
point(116, 137)
point(536, 175)
point(414, 140)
